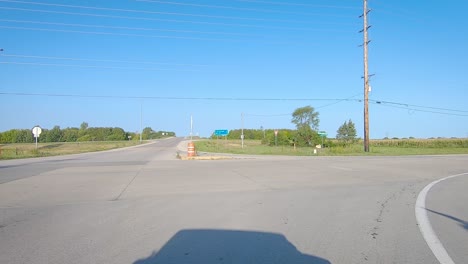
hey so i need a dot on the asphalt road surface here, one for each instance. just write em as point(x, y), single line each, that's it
point(142, 205)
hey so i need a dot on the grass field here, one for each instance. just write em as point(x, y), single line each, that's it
point(17, 151)
point(377, 147)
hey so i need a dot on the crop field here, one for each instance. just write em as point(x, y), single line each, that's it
point(390, 147)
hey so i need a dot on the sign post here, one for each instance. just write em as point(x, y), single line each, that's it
point(222, 133)
point(36, 132)
point(323, 135)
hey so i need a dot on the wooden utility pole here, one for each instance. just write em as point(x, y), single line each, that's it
point(366, 80)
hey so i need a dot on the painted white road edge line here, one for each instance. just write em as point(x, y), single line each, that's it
point(425, 226)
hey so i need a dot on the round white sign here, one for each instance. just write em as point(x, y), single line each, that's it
point(36, 131)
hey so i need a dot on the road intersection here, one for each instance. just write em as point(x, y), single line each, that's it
point(142, 205)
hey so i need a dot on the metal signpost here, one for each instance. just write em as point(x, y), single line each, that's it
point(323, 135)
point(222, 133)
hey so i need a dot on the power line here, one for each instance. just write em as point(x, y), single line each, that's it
point(155, 19)
point(93, 66)
point(153, 12)
point(339, 101)
point(421, 110)
point(127, 28)
point(153, 36)
point(376, 102)
point(298, 4)
point(145, 29)
point(120, 34)
point(170, 98)
point(384, 103)
point(319, 107)
point(417, 106)
point(100, 60)
point(237, 8)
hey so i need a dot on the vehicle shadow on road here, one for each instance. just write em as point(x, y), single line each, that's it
point(461, 222)
point(210, 246)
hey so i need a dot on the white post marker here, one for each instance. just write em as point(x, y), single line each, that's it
point(36, 132)
point(276, 137)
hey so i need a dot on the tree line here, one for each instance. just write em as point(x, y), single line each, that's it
point(83, 133)
point(306, 120)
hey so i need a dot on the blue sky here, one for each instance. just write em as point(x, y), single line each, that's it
point(65, 62)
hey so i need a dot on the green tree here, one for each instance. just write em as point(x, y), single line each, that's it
point(117, 134)
point(307, 121)
point(347, 132)
point(305, 136)
point(70, 134)
point(147, 133)
point(84, 126)
point(9, 136)
point(54, 135)
point(83, 129)
point(24, 136)
point(306, 116)
point(284, 138)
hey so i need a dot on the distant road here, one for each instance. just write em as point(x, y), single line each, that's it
point(140, 154)
point(142, 205)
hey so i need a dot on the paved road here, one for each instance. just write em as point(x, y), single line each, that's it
point(141, 205)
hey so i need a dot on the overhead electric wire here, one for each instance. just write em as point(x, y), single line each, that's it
point(120, 34)
point(298, 4)
point(231, 99)
point(99, 60)
point(421, 110)
point(153, 12)
point(170, 98)
point(337, 102)
point(155, 19)
point(126, 28)
point(238, 8)
point(268, 41)
point(319, 107)
point(94, 66)
point(417, 106)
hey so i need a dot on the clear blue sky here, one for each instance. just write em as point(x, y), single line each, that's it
point(113, 58)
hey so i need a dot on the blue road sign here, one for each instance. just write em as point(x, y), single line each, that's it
point(221, 132)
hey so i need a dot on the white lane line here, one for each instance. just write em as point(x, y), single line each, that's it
point(425, 226)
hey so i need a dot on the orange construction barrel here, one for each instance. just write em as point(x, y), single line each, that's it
point(191, 149)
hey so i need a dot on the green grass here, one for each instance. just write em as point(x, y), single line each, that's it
point(377, 148)
point(28, 150)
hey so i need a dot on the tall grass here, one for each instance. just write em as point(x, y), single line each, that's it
point(28, 150)
point(377, 147)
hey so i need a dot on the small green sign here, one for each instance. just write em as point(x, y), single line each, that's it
point(221, 132)
point(322, 133)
